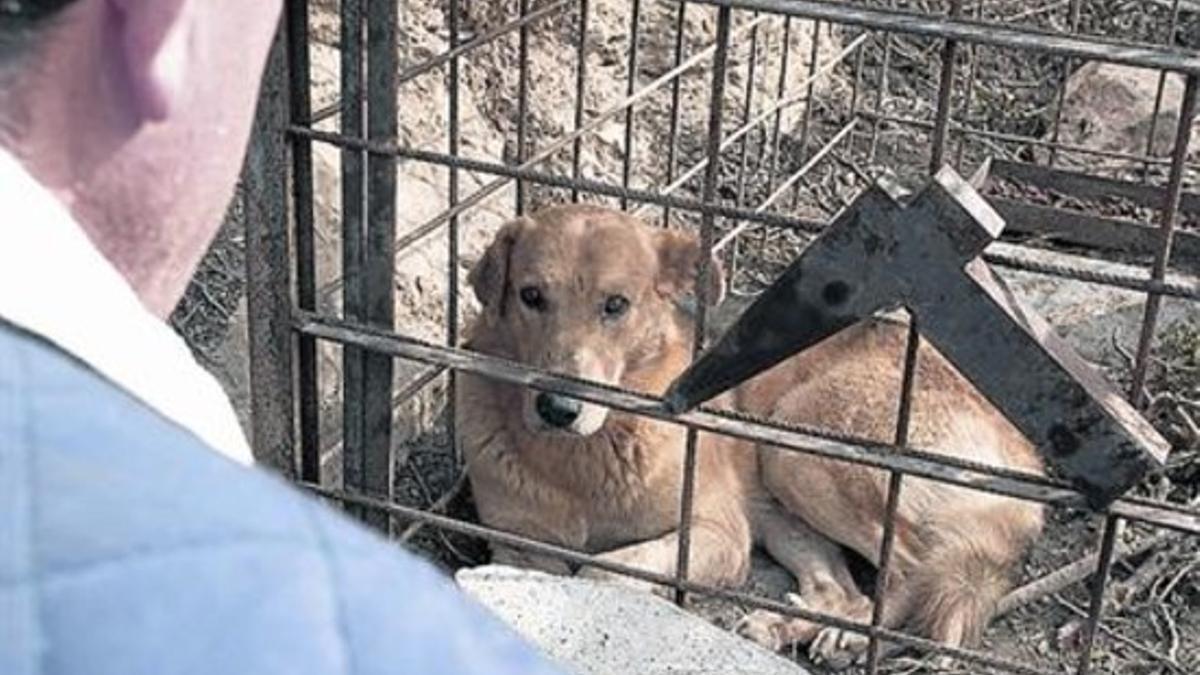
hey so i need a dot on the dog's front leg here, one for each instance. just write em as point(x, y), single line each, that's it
point(716, 558)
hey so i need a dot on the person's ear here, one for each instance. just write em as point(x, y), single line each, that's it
point(154, 36)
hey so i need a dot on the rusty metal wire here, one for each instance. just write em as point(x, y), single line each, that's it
point(1189, 291)
point(794, 437)
point(526, 544)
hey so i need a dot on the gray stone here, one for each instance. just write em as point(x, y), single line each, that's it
point(605, 629)
point(1110, 107)
point(1093, 318)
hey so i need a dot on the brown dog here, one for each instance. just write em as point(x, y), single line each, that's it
point(590, 292)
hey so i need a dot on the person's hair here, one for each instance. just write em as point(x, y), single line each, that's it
point(21, 21)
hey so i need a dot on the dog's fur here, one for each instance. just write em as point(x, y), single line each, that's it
point(609, 482)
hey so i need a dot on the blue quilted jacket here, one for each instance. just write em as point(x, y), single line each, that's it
point(127, 547)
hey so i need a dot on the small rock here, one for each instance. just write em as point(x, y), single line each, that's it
point(1110, 107)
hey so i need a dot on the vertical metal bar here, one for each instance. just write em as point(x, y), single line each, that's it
point(1075, 10)
point(895, 482)
point(268, 267)
point(580, 81)
point(522, 103)
point(747, 108)
point(941, 124)
point(711, 173)
point(1170, 215)
point(855, 93)
point(969, 96)
point(676, 84)
point(353, 212)
point(382, 67)
point(302, 202)
point(452, 233)
point(880, 96)
point(776, 131)
point(1107, 544)
point(780, 90)
point(1168, 40)
point(635, 11)
point(806, 124)
point(814, 55)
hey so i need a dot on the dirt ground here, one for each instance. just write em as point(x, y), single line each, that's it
point(1152, 624)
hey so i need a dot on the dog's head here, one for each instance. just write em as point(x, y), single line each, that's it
point(588, 292)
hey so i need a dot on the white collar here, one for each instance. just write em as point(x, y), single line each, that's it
point(55, 284)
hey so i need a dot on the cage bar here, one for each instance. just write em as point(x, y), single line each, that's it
point(378, 465)
point(268, 278)
point(1170, 216)
point(351, 123)
point(716, 110)
point(522, 102)
point(1187, 287)
point(895, 484)
point(300, 110)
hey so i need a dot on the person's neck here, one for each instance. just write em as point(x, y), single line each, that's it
point(157, 292)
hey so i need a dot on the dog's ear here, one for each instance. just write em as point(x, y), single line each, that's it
point(489, 277)
point(679, 259)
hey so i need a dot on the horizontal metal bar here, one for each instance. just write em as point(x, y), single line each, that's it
point(977, 32)
point(1182, 290)
point(551, 180)
point(886, 456)
point(1017, 138)
point(448, 55)
point(568, 555)
point(1085, 186)
point(1075, 227)
point(1187, 288)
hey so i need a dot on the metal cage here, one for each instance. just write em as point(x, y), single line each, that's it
point(733, 187)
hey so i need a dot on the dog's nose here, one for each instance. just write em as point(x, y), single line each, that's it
point(557, 411)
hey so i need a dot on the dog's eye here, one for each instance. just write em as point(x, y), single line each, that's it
point(533, 298)
point(615, 306)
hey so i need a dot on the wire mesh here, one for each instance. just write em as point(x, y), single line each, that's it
point(725, 181)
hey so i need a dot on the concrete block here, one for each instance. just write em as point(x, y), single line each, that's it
point(604, 629)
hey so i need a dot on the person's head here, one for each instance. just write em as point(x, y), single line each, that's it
point(135, 113)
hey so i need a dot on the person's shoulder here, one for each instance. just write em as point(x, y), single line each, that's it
point(134, 548)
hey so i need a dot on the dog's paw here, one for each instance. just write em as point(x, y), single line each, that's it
point(764, 628)
point(836, 648)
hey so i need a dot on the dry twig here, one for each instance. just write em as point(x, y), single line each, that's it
point(437, 506)
point(1151, 652)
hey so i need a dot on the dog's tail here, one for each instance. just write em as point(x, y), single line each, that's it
point(957, 589)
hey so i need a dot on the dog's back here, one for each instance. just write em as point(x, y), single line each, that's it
point(954, 548)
